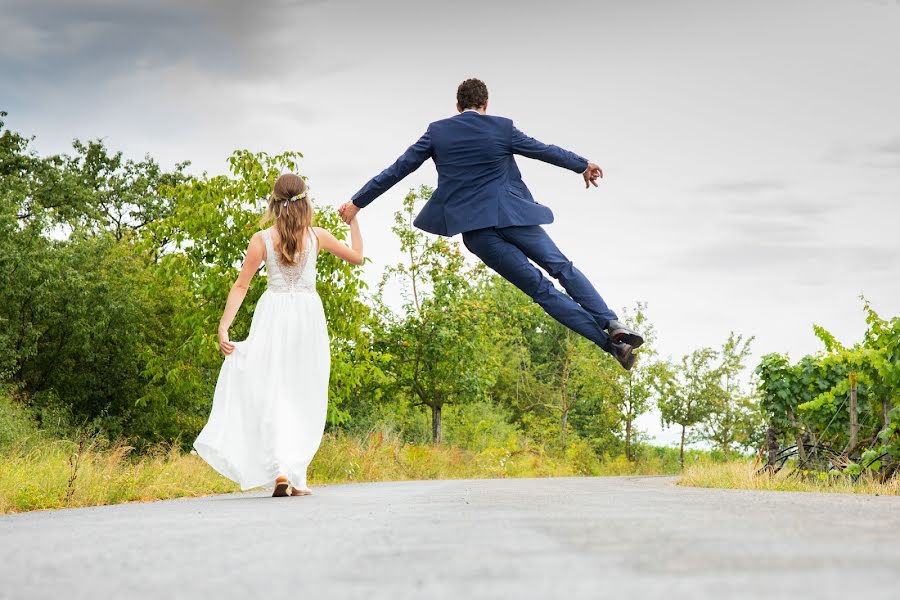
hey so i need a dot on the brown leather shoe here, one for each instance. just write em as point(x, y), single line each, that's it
point(281, 489)
point(623, 353)
point(618, 332)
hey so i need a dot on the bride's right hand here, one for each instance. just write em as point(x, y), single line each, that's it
point(224, 345)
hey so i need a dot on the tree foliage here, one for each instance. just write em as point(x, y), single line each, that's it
point(689, 392)
point(114, 273)
point(807, 403)
point(437, 343)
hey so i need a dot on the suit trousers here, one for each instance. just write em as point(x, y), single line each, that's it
point(507, 251)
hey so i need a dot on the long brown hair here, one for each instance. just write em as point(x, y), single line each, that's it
point(292, 212)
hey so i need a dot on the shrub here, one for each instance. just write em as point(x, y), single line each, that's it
point(17, 424)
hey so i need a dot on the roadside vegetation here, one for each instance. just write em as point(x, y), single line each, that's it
point(743, 475)
point(37, 473)
point(113, 273)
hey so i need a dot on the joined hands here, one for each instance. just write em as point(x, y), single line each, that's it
point(348, 211)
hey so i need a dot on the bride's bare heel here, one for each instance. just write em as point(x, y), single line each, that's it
point(281, 488)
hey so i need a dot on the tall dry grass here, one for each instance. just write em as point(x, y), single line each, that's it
point(743, 475)
point(342, 459)
point(61, 474)
point(39, 474)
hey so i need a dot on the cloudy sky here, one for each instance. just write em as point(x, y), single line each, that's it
point(751, 149)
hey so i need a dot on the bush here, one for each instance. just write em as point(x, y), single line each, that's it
point(478, 425)
point(581, 458)
point(17, 424)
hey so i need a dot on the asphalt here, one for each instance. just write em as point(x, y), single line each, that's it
point(616, 537)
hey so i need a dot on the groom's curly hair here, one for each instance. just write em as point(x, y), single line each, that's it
point(471, 93)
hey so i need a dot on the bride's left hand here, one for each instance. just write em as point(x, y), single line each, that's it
point(224, 344)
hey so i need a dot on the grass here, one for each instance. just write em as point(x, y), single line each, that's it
point(344, 459)
point(61, 474)
point(743, 475)
point(39, 474)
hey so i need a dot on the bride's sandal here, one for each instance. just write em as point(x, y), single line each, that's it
point(298, 492)
point(281, 489)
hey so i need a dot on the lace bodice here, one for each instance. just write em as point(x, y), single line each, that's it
point(287, 279)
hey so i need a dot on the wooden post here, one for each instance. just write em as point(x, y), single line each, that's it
point(772, 446)
point(854, 417)
point(801, 451)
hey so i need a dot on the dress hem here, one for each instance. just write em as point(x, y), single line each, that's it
point(296, 474)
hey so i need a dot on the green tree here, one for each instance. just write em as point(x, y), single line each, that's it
point(437, 341)
point(689, 391)
point(784, 388)
point(553, 381)
point(734, 416)
point(633, 390)
point(76, 312)
point(573, 377)
point(874, 364)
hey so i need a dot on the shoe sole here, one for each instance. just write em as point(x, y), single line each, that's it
point(628, 360)
point(281, 490)
point(632, 339)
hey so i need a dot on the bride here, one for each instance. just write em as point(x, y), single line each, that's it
point(271, 398)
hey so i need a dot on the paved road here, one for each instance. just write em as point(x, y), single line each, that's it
point(628, 537)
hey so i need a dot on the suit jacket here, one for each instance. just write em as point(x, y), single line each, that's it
point(479, 183)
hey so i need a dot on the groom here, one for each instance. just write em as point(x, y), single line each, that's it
point(481, 194)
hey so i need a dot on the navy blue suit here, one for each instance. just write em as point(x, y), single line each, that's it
point(481, 194)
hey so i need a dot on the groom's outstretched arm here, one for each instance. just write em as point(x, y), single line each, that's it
point(531, 148)
point(411, 160)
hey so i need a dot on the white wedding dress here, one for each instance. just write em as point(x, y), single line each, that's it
point(269, 408)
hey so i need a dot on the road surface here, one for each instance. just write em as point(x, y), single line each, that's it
point(616, 537)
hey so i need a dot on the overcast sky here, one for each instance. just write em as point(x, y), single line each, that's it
point(751, 149)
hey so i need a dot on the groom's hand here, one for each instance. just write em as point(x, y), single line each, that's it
point(348, 211)
point(591, 175)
